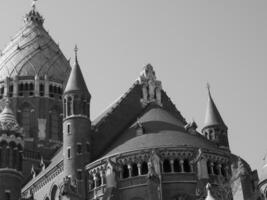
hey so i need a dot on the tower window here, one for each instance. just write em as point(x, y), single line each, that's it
point(69, 152)
point(87, 147)
point(69, 106)
point(79, 174)
point(68, 129)
point(166, 166)
point(79, 148)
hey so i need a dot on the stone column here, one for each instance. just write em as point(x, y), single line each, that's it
point(182, 165)
point(139, 168)
point(15, 86)
point(219, 168)
point(46, 86)
point(172, 165)
point(130, 170)
point(10, 165)
point(36, 86)
point(102, 177)
point(7, 156)
point(6, 84)
point(211, 168)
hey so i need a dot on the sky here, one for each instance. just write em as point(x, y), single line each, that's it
point(189, 43)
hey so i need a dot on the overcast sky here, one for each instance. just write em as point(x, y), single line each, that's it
point(189, 43)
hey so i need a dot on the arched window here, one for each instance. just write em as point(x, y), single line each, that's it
point(176, 166)
point(125, 171)
point(223, 170)
point(41, 89)
point(69, 106)
point(98, 180)
point(85, 107)
point(144, 168)
point(76, 105)
point(55, 193)
point(134, 169)
point(216, 169)
point(187, 167)
point(55, 89)
point(11, 90)
point(166, 166)
point(26, 87)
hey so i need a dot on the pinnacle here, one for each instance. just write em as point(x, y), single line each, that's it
point(213, 117)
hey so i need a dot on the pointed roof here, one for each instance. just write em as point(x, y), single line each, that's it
point(76, 81)
point(32, 51)
point(34, 16)
point(213, 117)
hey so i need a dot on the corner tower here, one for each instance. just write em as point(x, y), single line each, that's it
point(214, 127)
point(76, 130)
point(11, 150)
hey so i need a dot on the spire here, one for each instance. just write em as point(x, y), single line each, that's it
point(34, 16)
point(213, 117)
point(209, 196)
point(76, 81)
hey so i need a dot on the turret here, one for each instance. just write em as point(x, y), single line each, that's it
point(76, 131)
point(11, 154)
point(214, 127)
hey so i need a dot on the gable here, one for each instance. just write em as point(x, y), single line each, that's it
point(109, 127)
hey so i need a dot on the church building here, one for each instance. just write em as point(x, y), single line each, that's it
point(140, 148)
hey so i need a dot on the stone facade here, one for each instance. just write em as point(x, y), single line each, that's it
point(140, 148)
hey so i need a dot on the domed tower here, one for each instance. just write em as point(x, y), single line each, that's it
point(33, 73)
point(11, 150)
point(214, 127)
point(76, 128)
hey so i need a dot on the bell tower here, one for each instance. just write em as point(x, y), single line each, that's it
point(76, 133)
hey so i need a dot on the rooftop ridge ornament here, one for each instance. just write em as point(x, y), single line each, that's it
point(34, 4)
point(76, 53)
point(151, 87)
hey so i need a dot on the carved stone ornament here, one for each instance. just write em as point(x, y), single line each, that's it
point(151, 87)
point(69, 187)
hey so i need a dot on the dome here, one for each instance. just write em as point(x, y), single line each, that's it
point(165, 138)
point(33, 52)
point(8, 120)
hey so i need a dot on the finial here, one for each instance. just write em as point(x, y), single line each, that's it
point(76, 53)
point(208, 87)
point(34, 4)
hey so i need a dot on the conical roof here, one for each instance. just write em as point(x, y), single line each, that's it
point(213, 117)
point(7, 119)
point(32, 52)
point(76, 81)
